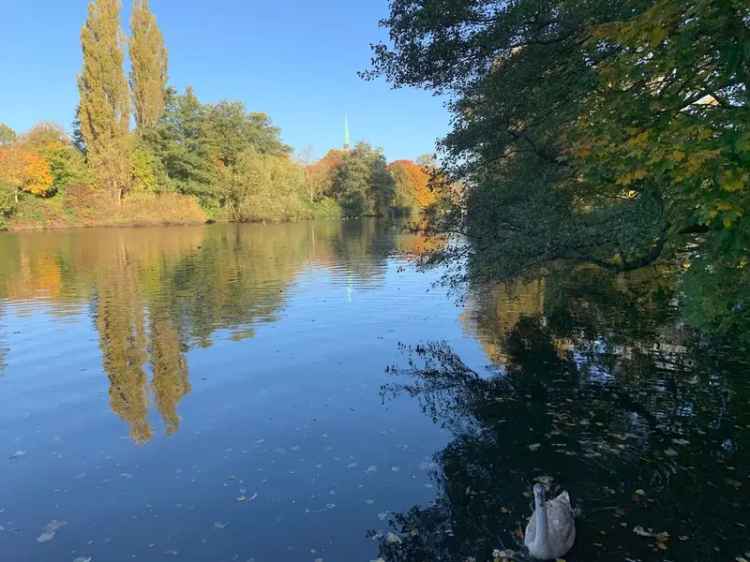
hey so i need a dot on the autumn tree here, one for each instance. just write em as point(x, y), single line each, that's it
point(321, 174)
point(148, 59)
point(412, 184)
point(66, 162)
point(104, 110)
point(25, 170)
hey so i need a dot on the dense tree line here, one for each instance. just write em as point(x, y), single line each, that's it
point(231, 161)
point(609, 131)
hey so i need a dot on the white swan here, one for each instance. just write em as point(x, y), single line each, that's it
point(551, 531)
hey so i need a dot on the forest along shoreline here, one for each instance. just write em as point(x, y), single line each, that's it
point(185, 161)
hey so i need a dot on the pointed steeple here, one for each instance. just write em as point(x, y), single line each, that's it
point(347, 139)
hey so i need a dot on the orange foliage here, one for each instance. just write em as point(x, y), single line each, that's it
point(418, 179)
point(25, 170)
point(320, 174)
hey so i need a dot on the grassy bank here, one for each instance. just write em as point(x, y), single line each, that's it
point(84, 207)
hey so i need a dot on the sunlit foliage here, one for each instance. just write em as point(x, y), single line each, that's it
point(597, 131)
point(148, 61)
point(104, 110)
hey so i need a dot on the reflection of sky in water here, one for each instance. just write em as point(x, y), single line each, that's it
point(284, 447)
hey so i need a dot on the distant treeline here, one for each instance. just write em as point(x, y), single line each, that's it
point(184, 161)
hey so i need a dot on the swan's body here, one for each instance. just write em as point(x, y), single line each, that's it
point(551, 531)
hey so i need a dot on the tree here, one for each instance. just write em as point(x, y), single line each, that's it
point(66, 163)
point(104, 109)
point(7, 135)
point(592, 162)
point(413, 192)
point(363, 185)
point(179, 142)
point(264, 187)
point(230, 130)
point(321, 174)
point(148, 59)
point(671, 113)
point(25, 170)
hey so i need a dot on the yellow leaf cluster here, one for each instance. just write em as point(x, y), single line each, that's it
point(25, 170)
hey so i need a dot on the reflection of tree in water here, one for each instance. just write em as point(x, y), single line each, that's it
point(122, 338)
point(361, 248)
point(600, 392)
point(157, 292)
point(170, 374)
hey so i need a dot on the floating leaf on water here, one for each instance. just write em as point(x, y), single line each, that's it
point(641, 532)
point(392, 538)
point(49, 532)
point(640, 492)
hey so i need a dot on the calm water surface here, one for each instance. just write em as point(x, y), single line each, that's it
point(300, 392)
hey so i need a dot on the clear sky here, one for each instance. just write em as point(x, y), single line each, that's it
point(293, 59)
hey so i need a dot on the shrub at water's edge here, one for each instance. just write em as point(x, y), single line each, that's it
point(84, 206)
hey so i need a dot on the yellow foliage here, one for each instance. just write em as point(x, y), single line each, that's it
point(25, 170)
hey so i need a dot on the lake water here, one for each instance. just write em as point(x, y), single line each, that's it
point(301, 392)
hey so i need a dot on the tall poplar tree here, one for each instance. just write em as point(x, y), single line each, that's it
point(104, 111)
point(148, 57)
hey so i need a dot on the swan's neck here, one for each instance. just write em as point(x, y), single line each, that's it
point(540, 540)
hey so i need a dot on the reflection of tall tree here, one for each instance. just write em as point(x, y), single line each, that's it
point(120, 322)
point(156, 292)
point(170, 374)
point(604, 395)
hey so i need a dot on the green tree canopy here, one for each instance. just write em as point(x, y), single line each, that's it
point(587, 131)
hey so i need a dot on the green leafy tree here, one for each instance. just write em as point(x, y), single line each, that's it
point(179, 142)
point(362, 183)
point(104, 110)
point(7, 135)
point(148, 59)
point(230, 130)
point(671, 113)
point(265, 187)
point(575, 122)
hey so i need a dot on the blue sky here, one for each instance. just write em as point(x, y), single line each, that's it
point(293, 59)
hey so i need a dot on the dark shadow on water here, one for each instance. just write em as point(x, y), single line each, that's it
point(598, 387)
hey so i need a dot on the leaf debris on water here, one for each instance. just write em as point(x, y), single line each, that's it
point(50, 530)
